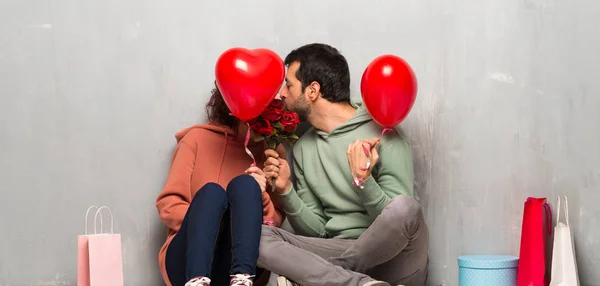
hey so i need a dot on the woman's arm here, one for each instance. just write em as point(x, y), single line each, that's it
point(172, 203)
point(271, 211)
point(272, 206)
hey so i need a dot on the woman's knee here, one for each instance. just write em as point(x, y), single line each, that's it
point(211, 191)
point(243, 185)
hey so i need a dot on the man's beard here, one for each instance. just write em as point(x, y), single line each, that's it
point(301, 107)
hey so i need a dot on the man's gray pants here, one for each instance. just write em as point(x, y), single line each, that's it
point(393, 249)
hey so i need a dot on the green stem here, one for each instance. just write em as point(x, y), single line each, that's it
point(273, 146)
point(273, 185)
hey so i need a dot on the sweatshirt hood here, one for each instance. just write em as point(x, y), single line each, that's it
point(360, 117)
point(226, 131)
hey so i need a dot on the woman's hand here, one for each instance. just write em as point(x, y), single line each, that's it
point(259, 176)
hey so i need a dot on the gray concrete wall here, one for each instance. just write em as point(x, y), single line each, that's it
point(92, 92)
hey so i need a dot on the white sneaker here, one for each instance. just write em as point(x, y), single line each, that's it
point(241, 280)
point(198, 281)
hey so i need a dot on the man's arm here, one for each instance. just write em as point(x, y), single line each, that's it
point(392, 176)
point(304, 210)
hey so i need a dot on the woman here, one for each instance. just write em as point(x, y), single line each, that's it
point(214, 203)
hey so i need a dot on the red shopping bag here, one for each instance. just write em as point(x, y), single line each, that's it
point(537, 225)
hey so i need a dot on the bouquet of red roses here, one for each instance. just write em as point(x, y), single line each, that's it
point(275, 125)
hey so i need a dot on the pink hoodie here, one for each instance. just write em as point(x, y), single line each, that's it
point(207, 153)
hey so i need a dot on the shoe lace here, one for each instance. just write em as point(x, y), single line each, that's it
point(199, 281)
point(241, 280)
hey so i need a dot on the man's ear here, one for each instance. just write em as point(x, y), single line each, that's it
point(313, 91)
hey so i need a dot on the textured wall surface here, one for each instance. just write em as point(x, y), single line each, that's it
point(92, 92)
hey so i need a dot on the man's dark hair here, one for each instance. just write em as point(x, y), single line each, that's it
point(324, 64)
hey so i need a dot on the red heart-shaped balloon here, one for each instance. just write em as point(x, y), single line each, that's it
point(249, 80)
point(389, 89)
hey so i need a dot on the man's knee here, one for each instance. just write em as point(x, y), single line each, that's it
point(403, 207)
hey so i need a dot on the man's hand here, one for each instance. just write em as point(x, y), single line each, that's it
point(278, 169)
point(259, 176)
point(358, 154)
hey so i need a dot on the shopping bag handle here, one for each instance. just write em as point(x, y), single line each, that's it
point(98, 212)
point(548, 218)
point(87, 213)
point(566, 210)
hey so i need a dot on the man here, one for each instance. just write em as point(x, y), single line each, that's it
point(357, 220)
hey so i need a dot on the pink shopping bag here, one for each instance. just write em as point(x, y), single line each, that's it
point(100, 261)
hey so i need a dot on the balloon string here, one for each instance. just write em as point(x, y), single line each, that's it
point(266, 220)
point(246, 145)
point(385, 130)
point(368, 153)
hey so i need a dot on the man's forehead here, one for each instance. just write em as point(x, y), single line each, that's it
point(288, 76)
point(294, 65)
point(291, 71)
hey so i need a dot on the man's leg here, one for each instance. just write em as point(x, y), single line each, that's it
point(394, 248)
point(303, 259)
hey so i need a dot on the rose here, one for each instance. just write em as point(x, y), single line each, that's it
point(289, 120)
point(277, 104)
point(261, 126)
point(273, 111)
point(272, 114)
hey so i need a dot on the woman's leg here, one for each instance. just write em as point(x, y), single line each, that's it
point(222, 261)
point(245, 207)
point(190, 254)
